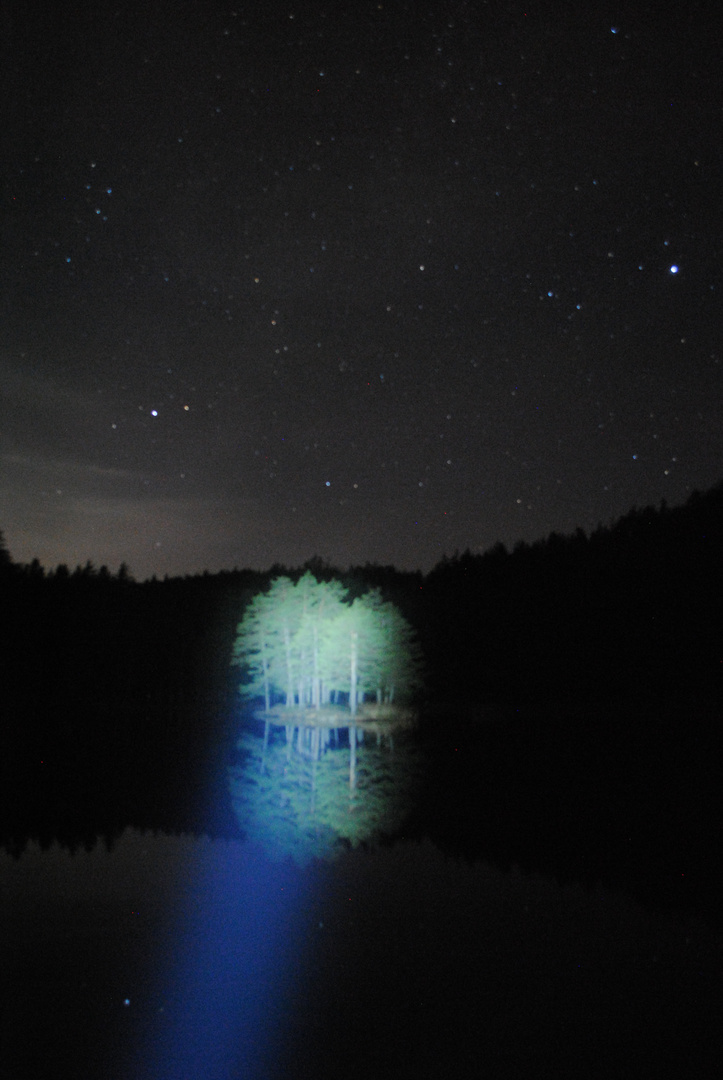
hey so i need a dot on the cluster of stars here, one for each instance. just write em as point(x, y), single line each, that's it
point(343, 274)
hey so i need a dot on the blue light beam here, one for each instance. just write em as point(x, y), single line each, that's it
point(232, 972)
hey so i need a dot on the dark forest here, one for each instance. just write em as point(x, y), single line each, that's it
point(571, 721)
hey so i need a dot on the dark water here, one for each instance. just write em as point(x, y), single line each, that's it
point(174, 957)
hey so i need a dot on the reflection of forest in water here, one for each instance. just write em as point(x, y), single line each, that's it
point(302, 804)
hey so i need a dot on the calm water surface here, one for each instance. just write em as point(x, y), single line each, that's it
point(173, 957)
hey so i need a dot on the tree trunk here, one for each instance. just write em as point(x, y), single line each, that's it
point(353, 674)
point(316, 685)
point(289, 668)
point(267, 725)
point(352, 757)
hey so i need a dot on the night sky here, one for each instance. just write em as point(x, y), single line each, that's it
point(369, 281)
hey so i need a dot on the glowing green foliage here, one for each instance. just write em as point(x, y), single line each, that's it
point(303, 644)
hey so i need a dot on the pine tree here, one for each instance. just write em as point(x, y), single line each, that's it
point(319, 603)
point(252, 651)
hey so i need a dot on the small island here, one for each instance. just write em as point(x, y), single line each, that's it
point(332, 672)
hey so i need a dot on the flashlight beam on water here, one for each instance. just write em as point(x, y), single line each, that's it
point(231, 970)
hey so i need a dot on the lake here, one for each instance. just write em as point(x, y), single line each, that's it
point(175, 957)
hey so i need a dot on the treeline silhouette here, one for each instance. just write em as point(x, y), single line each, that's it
point(571, 718)
point(631, 610)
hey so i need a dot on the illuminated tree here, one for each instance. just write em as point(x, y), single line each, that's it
point(252, 650)
point(319, 604)
point(400, 657)
point(352, 647)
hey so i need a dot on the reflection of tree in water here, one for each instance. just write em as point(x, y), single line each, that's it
point(303, 808)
